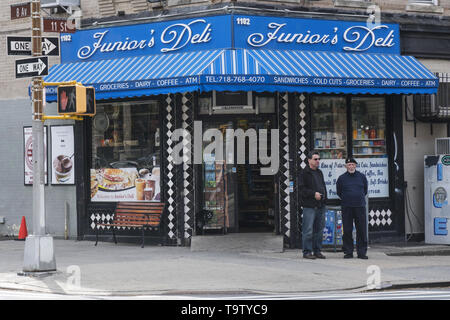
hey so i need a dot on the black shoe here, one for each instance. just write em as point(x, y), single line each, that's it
point(319, 255)
point(309, 256)
point(348, 256)
point(363, 257)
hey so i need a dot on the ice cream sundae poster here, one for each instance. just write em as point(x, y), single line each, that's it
point(28, 154)
point(62, 155)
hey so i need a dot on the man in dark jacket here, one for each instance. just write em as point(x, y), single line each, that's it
point(352, 188)
point(313, 196)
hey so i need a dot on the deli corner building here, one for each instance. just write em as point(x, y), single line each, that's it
point(336, 85)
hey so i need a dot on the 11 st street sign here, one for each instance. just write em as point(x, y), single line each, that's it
point(22, 46)
point(32, 67)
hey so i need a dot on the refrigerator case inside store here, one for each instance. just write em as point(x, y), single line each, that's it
point(214, 193)
point(436, 190)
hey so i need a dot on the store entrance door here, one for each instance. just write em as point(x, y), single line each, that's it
point(235, 195)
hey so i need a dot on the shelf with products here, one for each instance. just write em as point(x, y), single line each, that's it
point(214, 194)
point(369, 146)
point(333, 153)
point(330, 144)
point(369, 149)
point(368, 133)
point(375, 139)
point(368, 154)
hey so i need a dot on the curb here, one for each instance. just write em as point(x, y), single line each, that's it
point(413, 285)
point(419, 252)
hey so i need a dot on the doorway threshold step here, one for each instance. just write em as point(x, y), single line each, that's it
point(238, 242)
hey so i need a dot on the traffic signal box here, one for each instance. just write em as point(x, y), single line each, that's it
point(90, 102)
point(76, 100)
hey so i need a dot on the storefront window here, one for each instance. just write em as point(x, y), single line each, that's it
point(126, 152)
point(369, 127)
point(329, 126)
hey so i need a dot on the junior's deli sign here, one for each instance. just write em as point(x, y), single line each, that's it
point(228, 31)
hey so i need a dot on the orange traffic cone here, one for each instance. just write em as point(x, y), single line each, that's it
point(23, 232)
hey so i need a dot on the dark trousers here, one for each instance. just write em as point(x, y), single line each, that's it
point(357, 215)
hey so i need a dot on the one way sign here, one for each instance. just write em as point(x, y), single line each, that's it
point(32, 67)
point(22, 46)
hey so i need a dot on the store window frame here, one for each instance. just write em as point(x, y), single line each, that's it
point(388, 133)
point(89, 143)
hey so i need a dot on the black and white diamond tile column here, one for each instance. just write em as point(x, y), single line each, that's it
point(188, 173)
point(285, 211)
point(302, 147)
point(302, 150)
point(169, 166)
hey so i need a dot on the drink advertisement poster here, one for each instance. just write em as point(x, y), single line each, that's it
point(28, 155)
point(125, 184)
point(62, 160)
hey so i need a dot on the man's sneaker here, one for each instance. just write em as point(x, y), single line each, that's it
point(309, 256)
point(319, 255)
point(363, 257)
point(348, 256)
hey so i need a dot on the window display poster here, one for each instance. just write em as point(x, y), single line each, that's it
point(376, 171)
point(62, 156)
point(125, 184)
point(28, 155)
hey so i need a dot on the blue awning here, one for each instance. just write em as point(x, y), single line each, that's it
point(248, 70)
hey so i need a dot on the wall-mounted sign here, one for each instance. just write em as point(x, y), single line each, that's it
point(28, 154)
point(376, 171)
point(62, 156)
point(21, 10)
point(216, 32)
point(315, 35)
point(446, 160)
point(22, 46)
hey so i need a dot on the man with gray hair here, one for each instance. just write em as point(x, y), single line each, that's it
point(352, 188)
point(313, 196)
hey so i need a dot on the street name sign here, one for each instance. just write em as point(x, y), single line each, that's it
point(32, 67)
point(22, 46)
point(20, 10)
point(59, 25)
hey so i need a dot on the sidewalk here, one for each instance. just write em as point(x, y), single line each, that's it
point(127, 269)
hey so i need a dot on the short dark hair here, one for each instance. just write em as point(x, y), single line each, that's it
point(312, 153)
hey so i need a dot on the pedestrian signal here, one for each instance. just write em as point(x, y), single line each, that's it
point(90, 102)
point(72, 99)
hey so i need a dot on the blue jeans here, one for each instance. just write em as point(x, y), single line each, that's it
point(312, 229)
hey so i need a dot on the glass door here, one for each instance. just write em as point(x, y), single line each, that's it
point(219, 202)
point(256, 197)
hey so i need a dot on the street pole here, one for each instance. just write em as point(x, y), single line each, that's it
point(39, 253)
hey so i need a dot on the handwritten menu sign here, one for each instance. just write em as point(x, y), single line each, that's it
point(376, 171)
